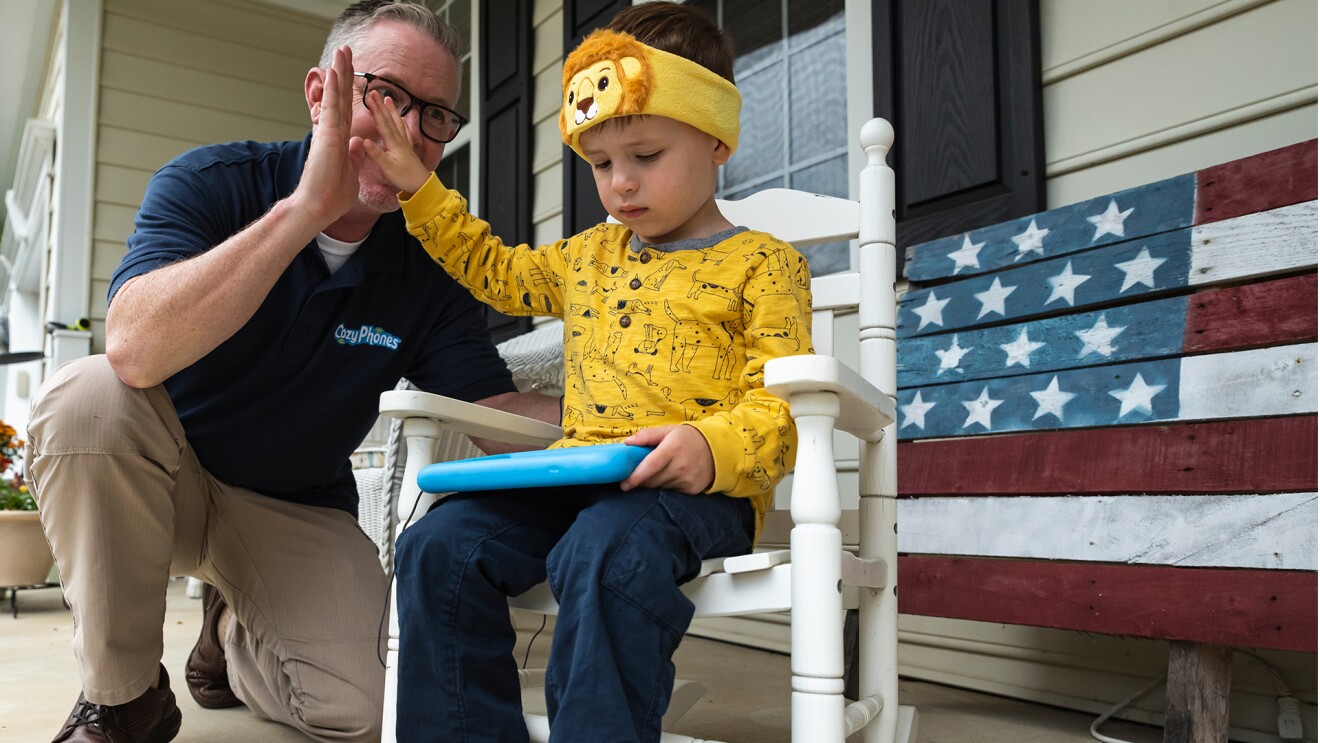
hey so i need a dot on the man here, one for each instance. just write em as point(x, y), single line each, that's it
point(269, 294)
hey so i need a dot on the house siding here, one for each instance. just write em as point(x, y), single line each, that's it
point(547, 147)
point(1135, 92)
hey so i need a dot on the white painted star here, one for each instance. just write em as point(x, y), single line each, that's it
point(915, 411)
point(1020, 350)
point(1050, 401)
point(978, 410)
point(1139, 270)
point(992, 299)
point(1063, 285)
point(965, 257)
point(1030, 241)
point(951, 356)
point(1136, 397)
point(932, 311)
point(1109, 222)
point(1099, 338)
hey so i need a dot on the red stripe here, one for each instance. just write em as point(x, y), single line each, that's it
point(1255, 608)
point(1262, 314)
point(1256, 184)
point(1262, 455)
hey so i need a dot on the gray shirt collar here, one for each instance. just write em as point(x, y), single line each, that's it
point(696, 243)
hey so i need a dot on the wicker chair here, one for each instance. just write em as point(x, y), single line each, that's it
point(536, 360)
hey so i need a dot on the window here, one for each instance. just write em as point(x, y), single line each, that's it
point(790, 68)
point(455, 170)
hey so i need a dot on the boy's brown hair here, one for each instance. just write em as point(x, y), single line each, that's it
point(679, 29)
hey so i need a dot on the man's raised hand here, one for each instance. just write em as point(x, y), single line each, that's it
point(329, 185)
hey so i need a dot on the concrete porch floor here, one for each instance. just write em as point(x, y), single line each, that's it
point(746, 699)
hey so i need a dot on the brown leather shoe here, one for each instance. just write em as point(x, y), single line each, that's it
point(206, 671)
point(153, 717)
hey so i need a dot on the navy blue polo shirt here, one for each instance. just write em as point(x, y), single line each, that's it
point(280, 406)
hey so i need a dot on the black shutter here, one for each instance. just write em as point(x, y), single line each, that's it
point(960, 81)
point(582, 207)
point(506, 136)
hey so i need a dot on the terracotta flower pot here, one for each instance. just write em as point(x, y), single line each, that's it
point(25, 558)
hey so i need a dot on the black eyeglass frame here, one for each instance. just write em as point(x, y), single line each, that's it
point(421, 105)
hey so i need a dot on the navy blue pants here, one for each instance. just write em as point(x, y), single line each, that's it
point(614, 561)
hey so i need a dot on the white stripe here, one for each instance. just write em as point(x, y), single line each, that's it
point(1238, 531)
point(1253, 245)
point(1249, 384)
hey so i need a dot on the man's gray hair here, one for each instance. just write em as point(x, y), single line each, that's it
point(359, 17)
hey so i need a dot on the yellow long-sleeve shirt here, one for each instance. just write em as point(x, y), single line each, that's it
point(653, 335)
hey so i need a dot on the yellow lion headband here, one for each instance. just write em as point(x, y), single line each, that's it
point(613, 74)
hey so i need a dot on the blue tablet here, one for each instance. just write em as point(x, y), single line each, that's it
point(578, 465)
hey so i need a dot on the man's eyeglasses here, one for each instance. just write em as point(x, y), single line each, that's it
point(439, 123)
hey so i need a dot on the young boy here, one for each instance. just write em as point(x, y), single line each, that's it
point(670, 316)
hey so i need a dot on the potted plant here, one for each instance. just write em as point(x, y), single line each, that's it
point(25, 558)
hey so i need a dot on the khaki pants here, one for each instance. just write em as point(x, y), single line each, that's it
point(126, 505)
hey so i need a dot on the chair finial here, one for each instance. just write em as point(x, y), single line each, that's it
point(877, 133)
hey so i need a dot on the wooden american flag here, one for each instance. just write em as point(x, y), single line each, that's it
point(1108, 413)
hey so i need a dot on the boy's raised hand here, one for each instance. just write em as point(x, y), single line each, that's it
point(394, 154)
point(682, 460)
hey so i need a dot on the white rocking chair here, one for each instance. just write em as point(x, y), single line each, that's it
point(816, 579)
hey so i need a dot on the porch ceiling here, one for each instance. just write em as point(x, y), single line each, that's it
point(24, 37)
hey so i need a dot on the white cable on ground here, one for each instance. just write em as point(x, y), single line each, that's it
point(1095, 733)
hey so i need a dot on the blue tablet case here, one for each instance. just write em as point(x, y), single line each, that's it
point(578, 465)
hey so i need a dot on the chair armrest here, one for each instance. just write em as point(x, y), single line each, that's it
point(469, 418)
point(864, 410)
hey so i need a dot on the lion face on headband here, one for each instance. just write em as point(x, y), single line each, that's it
point(600, 90)
point(607, 77)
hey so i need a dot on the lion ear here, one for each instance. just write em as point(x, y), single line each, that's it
point(632, 66)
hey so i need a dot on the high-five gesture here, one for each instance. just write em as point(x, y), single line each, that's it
point(162, 321)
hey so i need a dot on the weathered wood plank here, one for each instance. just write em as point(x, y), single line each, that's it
point(1261, 314)
point(1259, 244)
point(1279, 380)
point(1136, 212)
point(1237, 249)
point(1275, 531)
point(1264, 455)
point(1196, 704)
point(1230, 318)
point(1254, 608)
point(1255, 184)
point(1143, 331)
point(1124, 271)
